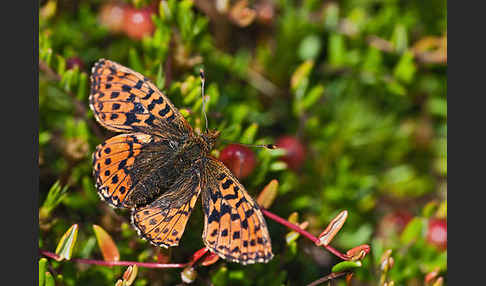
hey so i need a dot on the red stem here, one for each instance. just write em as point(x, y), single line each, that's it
point(118, 263)
point(292, 226)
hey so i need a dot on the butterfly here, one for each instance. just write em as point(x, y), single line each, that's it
point(159, 166)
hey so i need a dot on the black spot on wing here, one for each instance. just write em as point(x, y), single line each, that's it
point(227, 184)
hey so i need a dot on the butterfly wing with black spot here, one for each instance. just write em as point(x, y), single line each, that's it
point(112, 161)
point(234, 226)
point(163, 221)
point(124, 100)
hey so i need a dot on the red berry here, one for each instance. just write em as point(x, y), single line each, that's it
point(112, 16)
point(295, 151)
point(138, 22)
point(239, 159)
point(74, 61)
point(437, 233)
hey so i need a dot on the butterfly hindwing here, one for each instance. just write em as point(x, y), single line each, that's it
point(163, 221)
point(234, 225)
point(124, 100)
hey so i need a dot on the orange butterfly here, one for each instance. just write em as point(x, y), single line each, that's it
point(159, 168)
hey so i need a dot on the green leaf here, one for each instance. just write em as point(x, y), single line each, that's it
point(82, 86)
point(66, 244)
point(337, 50)
point(220, 277)
point(134, 60)
point(437, 106)
point(310, 47)
point(278, 166)
point(405, 69)
point(61, 65)
point(42, 270)
point(160, 81)
point(346, 266)
point(49, 280)
point(312, 96)
point(331, 16)
point(55, 196)
point(400, 38)
point(413, 231)
point(248, 135)
point(301, 75)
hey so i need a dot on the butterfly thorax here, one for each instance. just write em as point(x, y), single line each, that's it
point(209, 138)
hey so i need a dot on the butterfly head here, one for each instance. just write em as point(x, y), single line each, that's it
point(210, 137)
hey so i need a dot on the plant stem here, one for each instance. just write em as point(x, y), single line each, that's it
point(328, 278)
point(118, 263)
point(296, 228)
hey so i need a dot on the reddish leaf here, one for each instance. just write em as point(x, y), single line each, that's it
point(211, 258)
point(332, 229)
point(358, 252)
point(268, 194)
point(198, 254)
point(107, 245)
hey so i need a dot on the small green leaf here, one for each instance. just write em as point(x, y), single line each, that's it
point(42, 270)
point(278, 166)
point(405, 69)
point(331, 16)
point(134, 60)
point(413, 230)
point(396, 88)
point(310, 47)
point(346, 266)
point(248, 135)
point(337, 50)
point(437, 106)
point(164, 11)
point(82, 86)
point(220, 277)
point(49, 279)
point(400, 38)
point(430, 208)
point(193, 95)
point(312, 97)
point(55, 196)
point(160, 81)
point(61, 65)
point(301, 74)
point(66, 244)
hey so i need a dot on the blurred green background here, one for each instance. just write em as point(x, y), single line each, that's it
point(361, 84)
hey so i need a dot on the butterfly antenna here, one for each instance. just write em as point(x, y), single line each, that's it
point(267, 146)
point(203, 80)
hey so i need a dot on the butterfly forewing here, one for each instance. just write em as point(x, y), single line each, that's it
point(234, 226)
point(124, 100)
